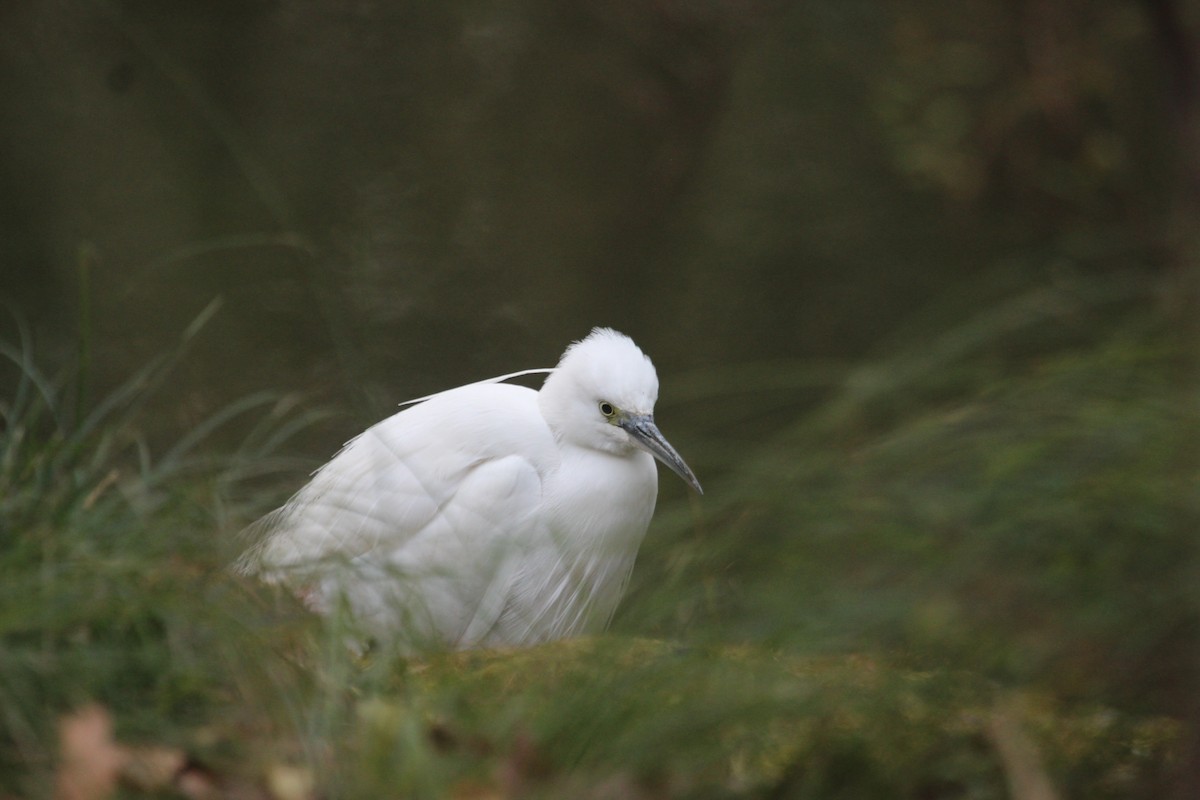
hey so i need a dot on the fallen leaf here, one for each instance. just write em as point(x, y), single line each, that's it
point(90, 762)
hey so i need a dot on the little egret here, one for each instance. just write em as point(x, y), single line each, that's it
point(486, 515)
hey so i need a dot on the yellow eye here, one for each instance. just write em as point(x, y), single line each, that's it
point(606, 408)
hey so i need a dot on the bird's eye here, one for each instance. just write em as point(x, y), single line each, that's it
point(606, 408)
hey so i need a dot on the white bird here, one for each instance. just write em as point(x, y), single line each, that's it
point(485, 515)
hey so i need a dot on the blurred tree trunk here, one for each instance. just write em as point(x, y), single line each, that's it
point(1175, 27)
point(1178, 43)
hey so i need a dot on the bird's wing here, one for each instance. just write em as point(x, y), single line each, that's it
point(434, 492)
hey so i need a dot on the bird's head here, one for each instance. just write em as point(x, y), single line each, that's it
point(601, 396)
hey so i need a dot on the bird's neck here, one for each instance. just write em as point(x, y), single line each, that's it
point(606, 495)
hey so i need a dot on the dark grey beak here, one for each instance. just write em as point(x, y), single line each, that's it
point(643, 430)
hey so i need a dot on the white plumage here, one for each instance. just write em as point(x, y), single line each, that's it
point(485, 515)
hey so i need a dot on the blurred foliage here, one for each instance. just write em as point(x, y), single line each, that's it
point(1017, 497)
point(1039, 111)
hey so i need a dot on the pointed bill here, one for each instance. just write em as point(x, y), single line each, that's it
point(643, 430)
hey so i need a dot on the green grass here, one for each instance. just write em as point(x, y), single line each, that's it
point(982, 539)
point(114, 588)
